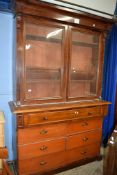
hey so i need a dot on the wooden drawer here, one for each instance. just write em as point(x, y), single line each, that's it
point(83, 139)
point(53, 161)
point(83, 152)
point(34, 134)
point(88, 112)
point(83, 125)
point(46, 117)
point(41, 164)
point(40, 148)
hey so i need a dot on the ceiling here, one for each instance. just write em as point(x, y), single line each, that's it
point(103, 8)
point(106, 6)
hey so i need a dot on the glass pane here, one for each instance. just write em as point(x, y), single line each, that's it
point(84, 64)
point(43, 61)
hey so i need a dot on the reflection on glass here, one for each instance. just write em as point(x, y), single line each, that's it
point(56, 32)
point(27, 46)
point(43, 61)
point(84, 64)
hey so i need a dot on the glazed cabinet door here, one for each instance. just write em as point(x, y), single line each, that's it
point(85, 63)
point(43, 61)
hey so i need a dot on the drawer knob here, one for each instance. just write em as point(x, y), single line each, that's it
point(90, 113)
point(45, 118)
point(43, 163)
point(85, 139)
point(43, 131)
point(43, 148)
point(83, 153)
point(84, 124)
point(76, 112)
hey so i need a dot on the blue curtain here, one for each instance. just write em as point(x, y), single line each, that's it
point(6, 5)
point(110, 80)
point(115, 12)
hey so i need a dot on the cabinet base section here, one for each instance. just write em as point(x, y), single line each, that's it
point(66, 167)
point(72, 165)
point(50, 163)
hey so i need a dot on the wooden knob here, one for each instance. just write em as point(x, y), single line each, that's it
point(43, 131)
point(43, 148)
point(83, 153)
point(85, 139)
point(43, 163)
point(45, 118)
point(90, 113)
point(84, 124)
point(76, 112)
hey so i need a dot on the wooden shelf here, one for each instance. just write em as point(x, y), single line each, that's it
point(37, 74)
point(36, 81)
point(42, 38)
point(34, 74)
point(82, 76)
point(54, 40)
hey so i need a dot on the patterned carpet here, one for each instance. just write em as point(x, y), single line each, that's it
point(94, 168)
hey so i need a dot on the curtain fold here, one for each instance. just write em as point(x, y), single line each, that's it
point(110, 80)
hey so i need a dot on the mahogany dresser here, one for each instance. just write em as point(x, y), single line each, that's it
point(57, 86)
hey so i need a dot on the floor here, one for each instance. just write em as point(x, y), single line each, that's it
point(94, 168)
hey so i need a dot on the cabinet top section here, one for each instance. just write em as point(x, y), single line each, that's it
point(55, 106)
point(66, 15)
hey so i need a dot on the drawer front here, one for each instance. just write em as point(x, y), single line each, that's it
point(34, 134)
point(89, 151)
point(46, 117)
point(89, 112)
point(41, 164)
point(41, 148)
point(83, 139)
point(40, 118)
point(83, 125)
point(50, 162)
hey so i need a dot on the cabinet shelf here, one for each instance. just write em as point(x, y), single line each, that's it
point(37, 74)
point(36, 81)
point(55, 40)
point(81, 76)
point(34, 74)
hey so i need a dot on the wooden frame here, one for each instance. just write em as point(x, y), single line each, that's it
point(21, 59)
point(100, 61)
point(4, 155)
point(21, 20)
